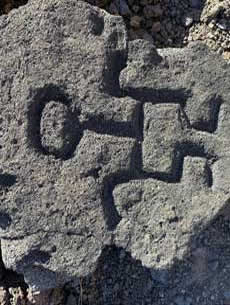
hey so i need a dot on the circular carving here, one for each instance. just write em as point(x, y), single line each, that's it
point(58, 130)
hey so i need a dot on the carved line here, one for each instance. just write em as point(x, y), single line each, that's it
point(120, 129)
point(111, 214)
point(43, 96)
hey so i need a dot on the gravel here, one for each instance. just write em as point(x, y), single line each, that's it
point(175, 23)
point(167, 23)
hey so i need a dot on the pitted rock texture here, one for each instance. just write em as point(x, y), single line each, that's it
point(104, 142)
point(53, 101)
point(57, 133)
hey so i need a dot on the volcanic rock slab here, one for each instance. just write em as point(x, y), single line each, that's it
point(103, 142)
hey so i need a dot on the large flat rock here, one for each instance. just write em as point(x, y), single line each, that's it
point(104, 142)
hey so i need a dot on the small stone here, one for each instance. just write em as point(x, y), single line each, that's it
point(4, 296)
point(156, 27)
point(157, 10)
point(222, 25)
point(17, 296)
point(122, 255)
point(135, 22)
point(210, 15)
point(124, 8)
point(195, 3)
point(211, 25)
point(188, 21)
point(226, 55)
point(113, 9)
point(148, 11)
point(135, 8)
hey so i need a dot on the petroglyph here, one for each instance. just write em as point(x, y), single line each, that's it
point(118, 143)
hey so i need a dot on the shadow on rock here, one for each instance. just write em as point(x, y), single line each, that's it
point(202, 277)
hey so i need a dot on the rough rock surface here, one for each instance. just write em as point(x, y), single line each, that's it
point(17, 296)
point(55, 101)
point(167, 23)
point(106, 142)
point(174, 23)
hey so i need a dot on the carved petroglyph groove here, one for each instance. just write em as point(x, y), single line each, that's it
point(57, 136)
point(53, 127)
point(53, 97)
point(186, 146)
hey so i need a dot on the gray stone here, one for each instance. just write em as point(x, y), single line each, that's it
point(222, 25)
point(124, 8)
point(63, 131)
point(195, 3)
point(113, 9)
point(184, 133)
point(104, 142)
point(188, 21)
